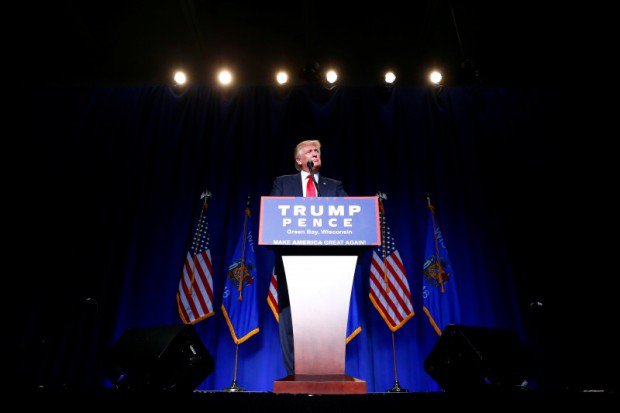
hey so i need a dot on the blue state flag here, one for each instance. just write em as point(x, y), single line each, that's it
point(439, 292)
point(239, 301)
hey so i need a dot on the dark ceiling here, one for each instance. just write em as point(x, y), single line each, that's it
point(141, 42)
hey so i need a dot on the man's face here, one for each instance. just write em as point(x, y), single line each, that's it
point(309, 152)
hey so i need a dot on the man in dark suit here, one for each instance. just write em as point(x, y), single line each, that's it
point(299, 184)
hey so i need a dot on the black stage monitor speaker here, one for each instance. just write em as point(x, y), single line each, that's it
point(166, 358)
point(466, 358)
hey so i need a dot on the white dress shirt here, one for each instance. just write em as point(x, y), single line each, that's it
point(304, 180)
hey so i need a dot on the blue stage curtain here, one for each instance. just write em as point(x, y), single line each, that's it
point(119, 172)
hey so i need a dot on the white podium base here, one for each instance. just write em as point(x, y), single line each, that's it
point(319, 289)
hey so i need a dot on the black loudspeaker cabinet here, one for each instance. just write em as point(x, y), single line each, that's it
point(466, 358)
point(165, 358)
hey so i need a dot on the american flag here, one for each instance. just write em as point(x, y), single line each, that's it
point(389, 289)
point(195, 295)
point(272, 295)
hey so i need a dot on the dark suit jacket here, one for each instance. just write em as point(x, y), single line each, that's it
point(290, 185)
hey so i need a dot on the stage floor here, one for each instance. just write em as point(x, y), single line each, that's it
point(208, 401)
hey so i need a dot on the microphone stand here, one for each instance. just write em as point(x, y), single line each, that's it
point(310, 165)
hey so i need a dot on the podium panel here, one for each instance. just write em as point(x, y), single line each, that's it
point(319, 292)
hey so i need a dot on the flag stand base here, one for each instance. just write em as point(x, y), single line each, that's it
point(397, 389)
point(233, 387)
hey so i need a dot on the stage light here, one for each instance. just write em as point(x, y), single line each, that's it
point(225, 77)
point(282, 77)
point(180, 78)
point(331, 76)
point(390, 77)
point(435, 77)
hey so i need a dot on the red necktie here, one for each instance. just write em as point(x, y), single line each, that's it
point(310, 189)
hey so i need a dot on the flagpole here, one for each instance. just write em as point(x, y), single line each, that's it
point(205, 204)
point(440, 270)
point(234, 387)
point(396, 388)
point(383, 248)
point(245, 232)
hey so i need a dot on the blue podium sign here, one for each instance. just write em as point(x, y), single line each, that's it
point(320, 221)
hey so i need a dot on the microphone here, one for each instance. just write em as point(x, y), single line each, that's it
point(310, 165)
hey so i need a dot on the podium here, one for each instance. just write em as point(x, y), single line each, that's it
point(319, 240)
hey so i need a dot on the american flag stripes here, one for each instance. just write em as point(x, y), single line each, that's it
point(272, 296)
point(389, 288)
point(195, 294)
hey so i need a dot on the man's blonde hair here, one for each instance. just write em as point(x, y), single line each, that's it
point(299, 147)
